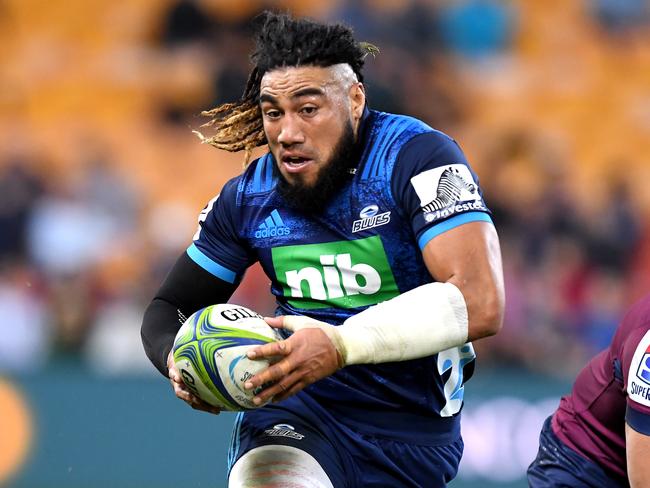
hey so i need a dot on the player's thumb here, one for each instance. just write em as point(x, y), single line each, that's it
point(293, 323)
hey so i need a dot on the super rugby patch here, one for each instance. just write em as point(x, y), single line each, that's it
point(446, 191)
point(638, 380)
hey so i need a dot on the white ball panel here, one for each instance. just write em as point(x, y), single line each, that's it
point(194, 383)
point(235, 369)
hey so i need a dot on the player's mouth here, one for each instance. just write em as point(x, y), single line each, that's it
point(295, 164)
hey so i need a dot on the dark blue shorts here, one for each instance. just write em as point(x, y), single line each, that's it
point(559, 466)
point(349, 458)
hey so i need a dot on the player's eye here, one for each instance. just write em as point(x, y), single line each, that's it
point(272, 114)
point(309, 110)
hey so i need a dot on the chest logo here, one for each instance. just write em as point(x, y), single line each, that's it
point(273, 226)
point(344, 274)
point(370, 218)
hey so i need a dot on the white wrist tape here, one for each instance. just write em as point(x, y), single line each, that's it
point(415, 324)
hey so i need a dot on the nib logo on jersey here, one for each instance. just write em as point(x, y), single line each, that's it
point(344, 274)
point(446, 191)
point(273, 226)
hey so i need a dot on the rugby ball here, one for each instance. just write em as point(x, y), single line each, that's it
point(210, 354)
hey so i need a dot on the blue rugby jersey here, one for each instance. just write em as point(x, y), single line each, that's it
point(412, 183)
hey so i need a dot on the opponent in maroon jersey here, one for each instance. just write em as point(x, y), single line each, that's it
point(600, 434)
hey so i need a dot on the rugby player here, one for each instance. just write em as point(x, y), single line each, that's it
point(599, 436)
point(382, 256)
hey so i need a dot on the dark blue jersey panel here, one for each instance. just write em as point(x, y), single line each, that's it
point(436, 187)
point(217, 246)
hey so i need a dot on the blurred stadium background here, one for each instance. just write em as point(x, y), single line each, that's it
point(101, 181)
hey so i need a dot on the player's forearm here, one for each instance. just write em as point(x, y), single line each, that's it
point(159, 327)
point(415, 324)
point(186, 289)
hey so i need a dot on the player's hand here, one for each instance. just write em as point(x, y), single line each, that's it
point(183, 392)
point(305, 357)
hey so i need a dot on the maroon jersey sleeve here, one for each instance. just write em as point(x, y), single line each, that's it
point(635, 365)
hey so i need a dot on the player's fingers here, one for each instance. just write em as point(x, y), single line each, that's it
point(198, 404)
point(173, 373)
point(275, 321)
point(291, 323)
point(183, 394)
point(279, 389)
point(175, 377)
point(195, 402)
point(182, 391)
point(297, 322)
point(277, 348)
point(271, 374)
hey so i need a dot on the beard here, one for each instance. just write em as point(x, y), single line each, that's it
point(329, 180)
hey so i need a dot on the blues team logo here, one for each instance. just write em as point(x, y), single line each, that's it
point(370, 218)
point(643, 372)
point(284, 430)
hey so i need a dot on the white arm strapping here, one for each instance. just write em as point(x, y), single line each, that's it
point(415, 324)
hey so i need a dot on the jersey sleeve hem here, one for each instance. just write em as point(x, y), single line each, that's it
point(211, 266)
point(637, 420)
point(450, 224)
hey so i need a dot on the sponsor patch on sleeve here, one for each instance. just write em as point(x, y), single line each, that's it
point(446, 191)
point(638, 380)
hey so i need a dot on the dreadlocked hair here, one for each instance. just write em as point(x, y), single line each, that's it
point(280, 41)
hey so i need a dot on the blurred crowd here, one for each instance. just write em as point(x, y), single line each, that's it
point(88, 229)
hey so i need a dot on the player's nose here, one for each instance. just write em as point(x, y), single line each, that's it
point(290, 132)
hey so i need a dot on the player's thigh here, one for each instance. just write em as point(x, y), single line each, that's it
point(385, 462)
point(300, 446)
point(277, 465)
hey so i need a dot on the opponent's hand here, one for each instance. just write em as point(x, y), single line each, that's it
point(307, 356)
point(183, 392)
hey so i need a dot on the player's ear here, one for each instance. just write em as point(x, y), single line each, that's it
point(357, 100)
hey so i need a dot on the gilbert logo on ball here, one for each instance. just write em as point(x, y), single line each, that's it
point(210, 354)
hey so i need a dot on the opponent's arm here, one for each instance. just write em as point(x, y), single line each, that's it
point(637, 447)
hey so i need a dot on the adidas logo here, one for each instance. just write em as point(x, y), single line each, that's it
point(273, 226)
